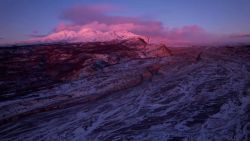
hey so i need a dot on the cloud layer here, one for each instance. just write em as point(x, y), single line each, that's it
point(95, 22)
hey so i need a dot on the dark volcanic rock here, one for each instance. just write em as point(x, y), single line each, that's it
point(28, 69)
point(159, 51)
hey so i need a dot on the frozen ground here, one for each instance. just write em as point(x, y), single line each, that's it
point(191, 94)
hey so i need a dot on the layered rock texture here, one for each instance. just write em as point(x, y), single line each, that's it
point(124, 90)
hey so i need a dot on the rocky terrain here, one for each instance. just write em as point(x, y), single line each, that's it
point(124, 90)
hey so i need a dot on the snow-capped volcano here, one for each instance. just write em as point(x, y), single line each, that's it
point(86, 35)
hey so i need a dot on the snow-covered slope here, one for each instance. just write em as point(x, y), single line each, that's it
point(192, 94)
point(85, 35)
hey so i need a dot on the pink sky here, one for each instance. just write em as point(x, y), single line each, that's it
point(84, 23)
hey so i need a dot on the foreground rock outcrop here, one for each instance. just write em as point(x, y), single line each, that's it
point(126, 90)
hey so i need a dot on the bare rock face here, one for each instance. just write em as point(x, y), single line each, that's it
point(160, 50)
point(124, 90)
point(138, 43)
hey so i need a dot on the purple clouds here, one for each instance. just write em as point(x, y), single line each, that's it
point(95, 22)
